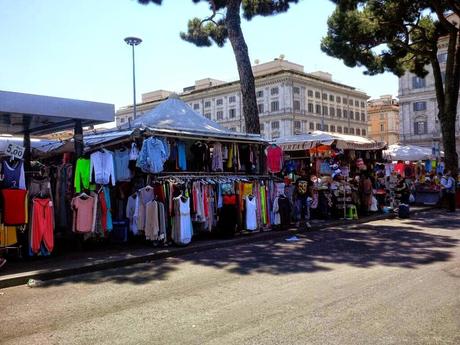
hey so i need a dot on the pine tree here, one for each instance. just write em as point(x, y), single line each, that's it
point(224, 22)
point(399, 36)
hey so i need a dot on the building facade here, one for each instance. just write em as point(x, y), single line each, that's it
point(384, 119)
point(289, 100)
point(418, 107)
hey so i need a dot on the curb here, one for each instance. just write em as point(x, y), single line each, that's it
point(47, 274)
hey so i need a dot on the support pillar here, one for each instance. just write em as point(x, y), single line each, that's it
point(27, 148)
point(78, 139)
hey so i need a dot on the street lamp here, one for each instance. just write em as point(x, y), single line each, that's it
point(133, 41)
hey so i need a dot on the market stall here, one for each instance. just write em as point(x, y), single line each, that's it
point(421, 168)
point(169, 176)
point(330, 162)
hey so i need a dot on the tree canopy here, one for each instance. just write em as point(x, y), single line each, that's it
point(398, 36)
point(224, 23)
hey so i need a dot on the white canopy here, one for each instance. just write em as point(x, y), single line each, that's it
point(342, 141)
point(399, 152)
point(174, 116)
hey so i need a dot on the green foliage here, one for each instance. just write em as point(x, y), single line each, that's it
point(384, 35)
point(212, 29)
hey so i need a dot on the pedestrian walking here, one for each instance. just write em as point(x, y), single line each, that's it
point(448, 185)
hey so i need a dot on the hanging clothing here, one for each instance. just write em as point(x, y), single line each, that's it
point(41, 188)
point(152, 156)
point(82, 174)
point(14, 206)
point(274, 158)
point(102, 167)
point(83, 208)
point(251, 217)
point(217, 160)
point(182, 231)
point(181, 156)
point(152, 226)
point(131, 207)
point(13, 175)
point(144, 195)
point(8, 235)
point(121, 161)
point(42, 229)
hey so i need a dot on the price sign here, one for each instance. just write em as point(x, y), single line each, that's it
point(15, 151)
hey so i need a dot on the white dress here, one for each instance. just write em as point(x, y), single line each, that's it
point(251, 214)
point(182, 234)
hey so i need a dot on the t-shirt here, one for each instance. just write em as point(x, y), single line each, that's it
point(14, 206)
point(274, 159)
point(302, 186)
point(83, 214)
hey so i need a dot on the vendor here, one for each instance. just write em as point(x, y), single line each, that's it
point(402, 191)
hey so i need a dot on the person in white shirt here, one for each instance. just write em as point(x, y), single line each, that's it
point(448, 185)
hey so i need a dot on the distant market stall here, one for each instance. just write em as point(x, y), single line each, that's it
point(398, 152)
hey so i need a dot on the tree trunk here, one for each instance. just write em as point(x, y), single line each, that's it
point(449, 142)
point(247, 83)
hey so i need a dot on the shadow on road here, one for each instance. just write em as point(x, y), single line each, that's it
point(398, 244)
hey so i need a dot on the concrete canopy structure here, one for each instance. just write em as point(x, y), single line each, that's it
point(21, 112)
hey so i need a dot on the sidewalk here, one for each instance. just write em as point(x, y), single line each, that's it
point(19, 272)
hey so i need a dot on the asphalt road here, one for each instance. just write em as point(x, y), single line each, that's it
point(385, 282)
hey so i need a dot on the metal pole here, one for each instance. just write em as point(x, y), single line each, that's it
point(134, 84)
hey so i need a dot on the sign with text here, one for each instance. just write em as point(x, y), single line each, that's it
point(15, 151)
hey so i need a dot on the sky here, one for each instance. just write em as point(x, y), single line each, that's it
point(75, 48)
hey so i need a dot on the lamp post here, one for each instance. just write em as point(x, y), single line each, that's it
point(133, 41)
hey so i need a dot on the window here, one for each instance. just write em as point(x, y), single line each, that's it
point(442, 57)
point(356, 103)
point(310, 107)
point(260, 107)
point(232, 113)
point(220, 115)
point(332, 128)
point(419, 106)
point(207, 104)
point(338, 99)
point(339, 129)
point(296, 105)
point(382, 127)
point(317, 94)
point(362, 104)
point(350, 102)
point(122, 120)
point(332, 111)
point(358, 131)
point(275, 106)
point(275, 125)
point(312, 126)
point(339, 112)
point(382, 116)
point(260, 94)
point(296, 90)
point(196, 106)
point(418, 83)
point(275, 135)
point(325, 112)
point(351, 115)
point(207, 115)
point(274, 91)
point(363, 117)
point(318, 109)
point(219, 101)
point(331, 98)
point(345, 114)
point(326, 128)
point(310, 93)
point(318, 126)
point(352, 131)
point(345, 130)
point(262, 127)
point(325, 96)
point(233, 129)
point(297, 125)
point(231, 99)
point(363, 132)
point(420, 127)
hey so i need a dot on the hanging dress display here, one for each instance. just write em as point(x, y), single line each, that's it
point(182, 231)
point(251, 215)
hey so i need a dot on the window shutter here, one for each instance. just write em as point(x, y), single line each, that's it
point(425, 128)
point(415, 128)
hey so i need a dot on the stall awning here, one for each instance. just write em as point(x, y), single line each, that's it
point(175, 117)
point(399, 152)
point(342, 141)
point(44, 114)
